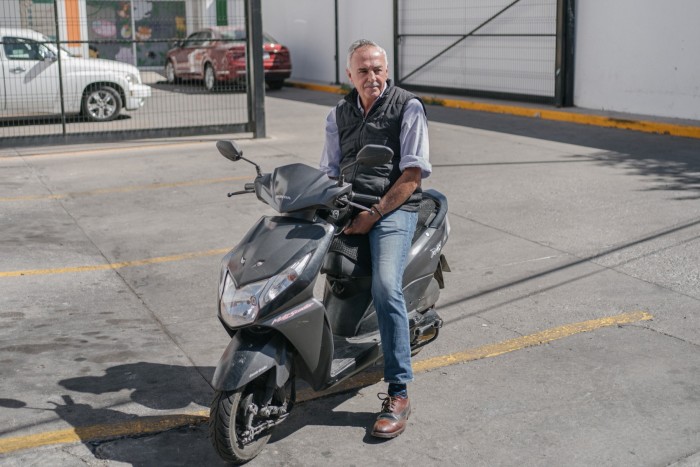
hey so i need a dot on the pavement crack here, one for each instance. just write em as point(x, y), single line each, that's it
point(67, 450)
point(679, 339)
point(500, 326)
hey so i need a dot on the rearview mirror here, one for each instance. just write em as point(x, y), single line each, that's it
point(372, 155)
point(230, 150)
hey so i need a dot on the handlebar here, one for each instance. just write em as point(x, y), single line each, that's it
point(247, 188)
point(366, 200)
point(359, 201)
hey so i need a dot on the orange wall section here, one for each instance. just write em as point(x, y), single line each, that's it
point(73, 21)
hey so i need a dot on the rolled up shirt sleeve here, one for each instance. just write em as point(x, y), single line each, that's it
point(330, 157)
point(415, 146)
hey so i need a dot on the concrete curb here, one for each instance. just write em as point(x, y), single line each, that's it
point(645, 126)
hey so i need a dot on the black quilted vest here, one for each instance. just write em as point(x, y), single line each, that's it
point(382, 125)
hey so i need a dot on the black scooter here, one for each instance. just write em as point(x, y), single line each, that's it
point(278, 330)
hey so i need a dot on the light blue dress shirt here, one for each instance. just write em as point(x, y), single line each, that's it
point(415, 146)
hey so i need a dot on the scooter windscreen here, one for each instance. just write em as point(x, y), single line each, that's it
point(296, 187)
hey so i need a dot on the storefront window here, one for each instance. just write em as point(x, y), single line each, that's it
point(37, 15)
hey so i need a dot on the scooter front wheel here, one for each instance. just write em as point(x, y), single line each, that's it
point(231, 417)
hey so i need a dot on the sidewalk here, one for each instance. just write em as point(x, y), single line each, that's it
point(619, 120)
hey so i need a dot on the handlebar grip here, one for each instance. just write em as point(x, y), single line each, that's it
point(367, 200)
point(249, 187)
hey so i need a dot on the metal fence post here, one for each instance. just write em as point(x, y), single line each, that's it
point(564, 65)
point(60, 69)
point(256, 75)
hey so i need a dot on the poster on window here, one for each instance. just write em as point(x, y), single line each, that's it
point(138, 32)
point(157, 23)
point(110, 30)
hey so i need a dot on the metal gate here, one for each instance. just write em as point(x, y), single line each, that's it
point(93, 70)
point(508, 49)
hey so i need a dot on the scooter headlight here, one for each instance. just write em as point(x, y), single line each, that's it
point(240, 306)
point(281, 281)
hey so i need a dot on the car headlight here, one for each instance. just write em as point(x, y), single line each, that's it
point(240, 306)
point(132, 78)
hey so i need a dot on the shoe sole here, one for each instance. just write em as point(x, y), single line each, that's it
point(388, 435)
point(394, 434)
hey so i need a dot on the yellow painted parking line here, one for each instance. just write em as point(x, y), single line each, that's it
point(106, 267)
point(318, 87)
point(149, 425)
point(124, 189)
point(646, 126)
point(572, 117)
point(139, 426)
point(531, 340)
point(491, 350)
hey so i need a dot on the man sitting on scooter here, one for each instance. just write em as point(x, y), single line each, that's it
point(377, 112)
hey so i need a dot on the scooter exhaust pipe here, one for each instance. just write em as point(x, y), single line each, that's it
point(428, 330)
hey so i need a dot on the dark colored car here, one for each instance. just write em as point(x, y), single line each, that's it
point(216, 55)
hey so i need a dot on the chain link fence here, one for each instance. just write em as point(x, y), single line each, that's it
point(73, 69)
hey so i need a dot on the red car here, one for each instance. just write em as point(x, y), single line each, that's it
point(216, 55)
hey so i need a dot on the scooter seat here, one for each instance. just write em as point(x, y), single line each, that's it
point(348, 256)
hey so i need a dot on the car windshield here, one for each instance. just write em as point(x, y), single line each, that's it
point(239, 35)
point(52, 47)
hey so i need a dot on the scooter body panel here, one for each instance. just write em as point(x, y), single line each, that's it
point(246, 359)
point(302, 325)
point(271, 244)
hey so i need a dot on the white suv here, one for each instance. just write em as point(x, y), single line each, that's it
point(96, 89)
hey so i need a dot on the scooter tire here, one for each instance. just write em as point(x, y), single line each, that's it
point(226, 419)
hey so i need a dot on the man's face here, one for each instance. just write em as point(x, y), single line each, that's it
point(368, 72)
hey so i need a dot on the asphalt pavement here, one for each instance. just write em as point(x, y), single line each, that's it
point(571, 337)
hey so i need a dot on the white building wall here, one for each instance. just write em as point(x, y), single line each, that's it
point(638, 56)
point(307, 27)
point(635, 56)
point(365, 19)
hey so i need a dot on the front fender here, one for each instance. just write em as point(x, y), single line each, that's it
point(246, 358)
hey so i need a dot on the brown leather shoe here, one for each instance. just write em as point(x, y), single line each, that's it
point(392, 420)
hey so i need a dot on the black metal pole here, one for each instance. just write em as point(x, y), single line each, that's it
point(564, 61)
point(337, 46)
point(60, 68)
point(255, 75)
point(396, 43)
point(570, 53)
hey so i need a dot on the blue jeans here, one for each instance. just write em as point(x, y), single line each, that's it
point(390, 241)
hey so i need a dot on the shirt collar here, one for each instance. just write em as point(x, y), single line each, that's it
point(359, 102)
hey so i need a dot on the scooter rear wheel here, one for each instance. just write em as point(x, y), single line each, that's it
point(227, 424)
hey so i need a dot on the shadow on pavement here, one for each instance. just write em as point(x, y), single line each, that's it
point(172, 439)
point(156, 386)
point(320, 412)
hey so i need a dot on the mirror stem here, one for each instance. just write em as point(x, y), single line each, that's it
point(257, 167)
